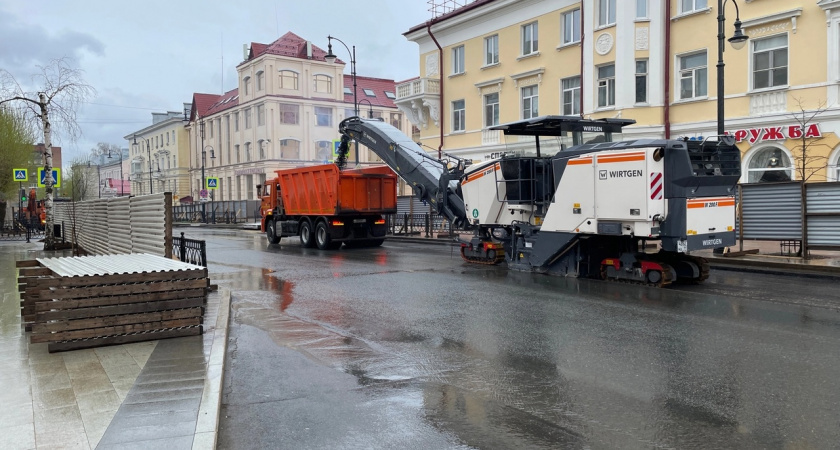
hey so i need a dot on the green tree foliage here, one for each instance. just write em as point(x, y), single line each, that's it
point(16, 151)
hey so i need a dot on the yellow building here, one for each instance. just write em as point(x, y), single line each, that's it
point(497, 61)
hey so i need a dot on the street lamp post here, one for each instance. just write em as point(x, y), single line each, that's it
point(203, 179)
point(121, 171)
point(330, 58)
point(738, 40)
point(149, 153)
point(370, 107)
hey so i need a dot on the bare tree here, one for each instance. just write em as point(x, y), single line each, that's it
point(807, 161)
point(80, 186)
point(61, 91)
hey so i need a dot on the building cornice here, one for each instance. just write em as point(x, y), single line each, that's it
point(791, 14)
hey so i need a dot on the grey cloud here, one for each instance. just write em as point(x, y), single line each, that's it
point(23, 46)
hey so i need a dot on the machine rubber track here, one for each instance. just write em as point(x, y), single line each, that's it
point(703, 264)
point(666, 279)
point(499, 257)
point(678, 260)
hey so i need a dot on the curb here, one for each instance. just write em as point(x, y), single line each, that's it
point(206, 430)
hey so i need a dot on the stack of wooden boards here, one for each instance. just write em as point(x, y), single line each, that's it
point(93, 301)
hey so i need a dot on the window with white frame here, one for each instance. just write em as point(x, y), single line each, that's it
point(325, 152)
point(571, 96)
point(687, 6)
point(289, 113)
point(770, 62)
point(491, 109)
point(530, 39)
point(769, 165)
point(260, 80)
point(288, 80)
point(247, 118)
point(641, 80)
point(641, 9)
point(606, 86)
point(458, 60)
point(571, 27)
point(491, 50)
point(606, 12)
point(260, 115)
point(323, 83)
point(323, 116)
point(693, 76)
point(530, 102)
point(458, 115)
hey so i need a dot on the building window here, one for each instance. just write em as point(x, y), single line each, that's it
point(571, 96)
point(209, 128)
point(606, 86)
point(325, 152)
point(458, 115)
point(236, 121)
point(491, 109)
point(323, 116)
point(770, 62)
point(571, 27)
point(247, 85)
point(236, 150)
point(248, 118)
point(769, 165)
point(262, 145)
point(693, 74)
point(260, 80)
point(530, 39)
point(289, 149)
point(390, 95)
point(288, 80)
point(641, 9)
point(641, 80)
point(247, 152)
point(606, 12)
point(369, 92)
point(491, 50)
point(260, 115)
point(458, 60)
point(530, 102)
point(288, 113)
point(323, 83)
point(687, 6)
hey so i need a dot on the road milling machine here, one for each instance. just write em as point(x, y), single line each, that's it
point(593, 206)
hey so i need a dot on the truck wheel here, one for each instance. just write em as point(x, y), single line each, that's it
point(322, 236)
point(271, 232)
point(307, 236)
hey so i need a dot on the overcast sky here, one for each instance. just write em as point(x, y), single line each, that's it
point(151, 56)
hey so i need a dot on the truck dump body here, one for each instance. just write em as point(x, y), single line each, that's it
point(325, 191)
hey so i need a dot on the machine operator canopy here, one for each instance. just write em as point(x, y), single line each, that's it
point(555, 133)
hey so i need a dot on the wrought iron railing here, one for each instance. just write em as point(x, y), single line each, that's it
point(190, 251)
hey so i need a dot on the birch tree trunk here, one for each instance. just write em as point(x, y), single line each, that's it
point(49, 235)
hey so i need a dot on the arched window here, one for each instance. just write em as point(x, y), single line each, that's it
point(260, 80)
point(324, 151)
point(323, 83)
point(769, 164)
point(289, 149)
point(247, 152)
point(246, 85)
point(288, 80)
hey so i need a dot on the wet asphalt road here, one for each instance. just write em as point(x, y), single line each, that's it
point(405, 346)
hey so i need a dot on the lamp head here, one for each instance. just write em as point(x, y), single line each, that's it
point(738, 39)
point(329, 57)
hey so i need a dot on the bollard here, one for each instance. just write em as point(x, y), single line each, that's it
point(183, 249)
point(428, 224)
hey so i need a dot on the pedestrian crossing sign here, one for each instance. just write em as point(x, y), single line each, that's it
point(212, 183)
point(56, 175)
point(21, 174)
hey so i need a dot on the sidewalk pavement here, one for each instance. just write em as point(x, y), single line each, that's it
point(157, 394)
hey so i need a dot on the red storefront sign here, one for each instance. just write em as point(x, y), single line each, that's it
point(754, 135)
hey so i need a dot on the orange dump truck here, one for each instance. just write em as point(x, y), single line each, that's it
point(327, 207)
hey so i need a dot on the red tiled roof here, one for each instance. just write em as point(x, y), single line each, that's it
point(201, 104)
point(289, 44)
point(226, 101)
point(378, 85)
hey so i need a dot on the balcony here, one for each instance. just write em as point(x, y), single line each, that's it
point(768, 102)
point(419, 100)
point(490, 137)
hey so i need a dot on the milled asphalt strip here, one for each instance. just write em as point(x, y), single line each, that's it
point(175, 401)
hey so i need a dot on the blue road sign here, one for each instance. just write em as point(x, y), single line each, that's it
point(56, 176)
point(212, 183)
point(21, 174)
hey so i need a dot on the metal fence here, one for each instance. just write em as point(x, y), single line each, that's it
point(422, 224)
point(190, 251)
point(21, 230)
point(225, 211)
